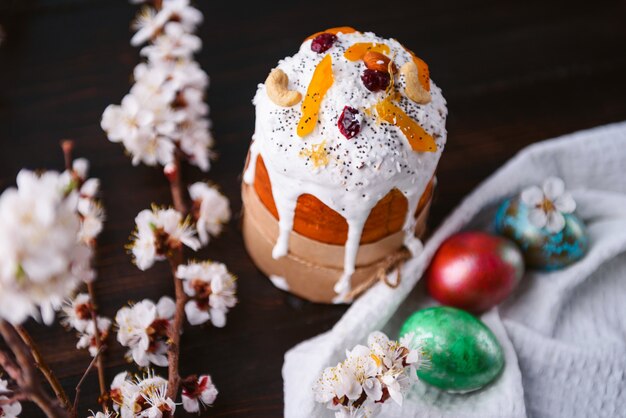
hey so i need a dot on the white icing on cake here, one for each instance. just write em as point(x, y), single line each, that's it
point(279, 282)
point(361, 170)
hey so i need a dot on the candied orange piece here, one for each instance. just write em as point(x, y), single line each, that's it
point(334, 31)
point(357, 51)
point(419, 139)
point(320, 83)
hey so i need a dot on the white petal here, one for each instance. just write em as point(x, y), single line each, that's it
point(218, 318)
point(553, 187)
point(166, 307)
point(190, 405)
point(537, 217)
point(556, 222)
point(396, 395)
point(158, 359)
point(90, 187)
point(565, 203)
point(195, 316)
point(209, 394)
point(373, 389)
point(532, 196)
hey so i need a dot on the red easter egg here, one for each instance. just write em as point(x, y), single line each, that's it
point(474, 271)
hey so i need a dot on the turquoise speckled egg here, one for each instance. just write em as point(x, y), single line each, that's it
point(542, 250)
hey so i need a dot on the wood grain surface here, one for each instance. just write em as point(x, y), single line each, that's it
point(513, 73)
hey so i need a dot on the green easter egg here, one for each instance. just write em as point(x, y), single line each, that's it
point(464, 354)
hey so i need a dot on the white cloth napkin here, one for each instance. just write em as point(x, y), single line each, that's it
point(563, 333)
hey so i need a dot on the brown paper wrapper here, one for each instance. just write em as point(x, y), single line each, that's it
point(311, 268)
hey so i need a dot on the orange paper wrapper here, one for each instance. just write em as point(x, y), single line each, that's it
point(311, 268)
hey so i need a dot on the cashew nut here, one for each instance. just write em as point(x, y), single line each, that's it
point(414, 89)
point(277, 90)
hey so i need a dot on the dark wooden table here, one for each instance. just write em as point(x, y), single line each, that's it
point(512, 73)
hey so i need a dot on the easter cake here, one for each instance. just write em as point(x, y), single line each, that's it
point(340, 171)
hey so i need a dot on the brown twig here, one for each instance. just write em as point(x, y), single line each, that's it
point(9, 366)
point(102, 399)
point(175, 328)
point(172, 173)
point(67, 145)
point(82, 379)
point(43, 366)
point(22, 370)
point(12, 397)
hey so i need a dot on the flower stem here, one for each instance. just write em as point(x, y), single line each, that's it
point(22, 370)
point(103, 398)
point(43, 366)
point(82, 379)
point(172, 173)
point(67, 145)
point(175, 328)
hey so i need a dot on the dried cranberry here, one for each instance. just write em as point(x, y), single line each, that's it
point(348, 123)
point(375, 80)
point(323, 42)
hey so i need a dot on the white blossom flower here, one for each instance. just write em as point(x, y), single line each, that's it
point(211, 289)
point(149, 23)
point(143, 329)
point(175, 43)
point(181, 11)
point(77, 312)
point(158, 232)
point(121, 385)
point(92, 220)
point(364, 370)
point(368, 377)
point(151, 149)
point(9, 410)
point(210, 209)
point(153, 87)
point(185, 74)
point(198, 392)
point(41, 259)
point(80, 167)
point(194, 106)
point(196, 141)
point(125, 122)
point(548, 204)
point(100, 414)
point(165, 111)
point(143, 397)
point(88, 207)
point(87, 338)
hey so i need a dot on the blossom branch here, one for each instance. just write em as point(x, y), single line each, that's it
point(12, 397)
point(43, 366)
point(172, 172)
point(67, 146)
point(103, 398)
point(22, 371)
point(176, 258)
point(82, 379)
point(174, 330)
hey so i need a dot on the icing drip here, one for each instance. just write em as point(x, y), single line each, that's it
point(355, 228)
point(361, 170)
